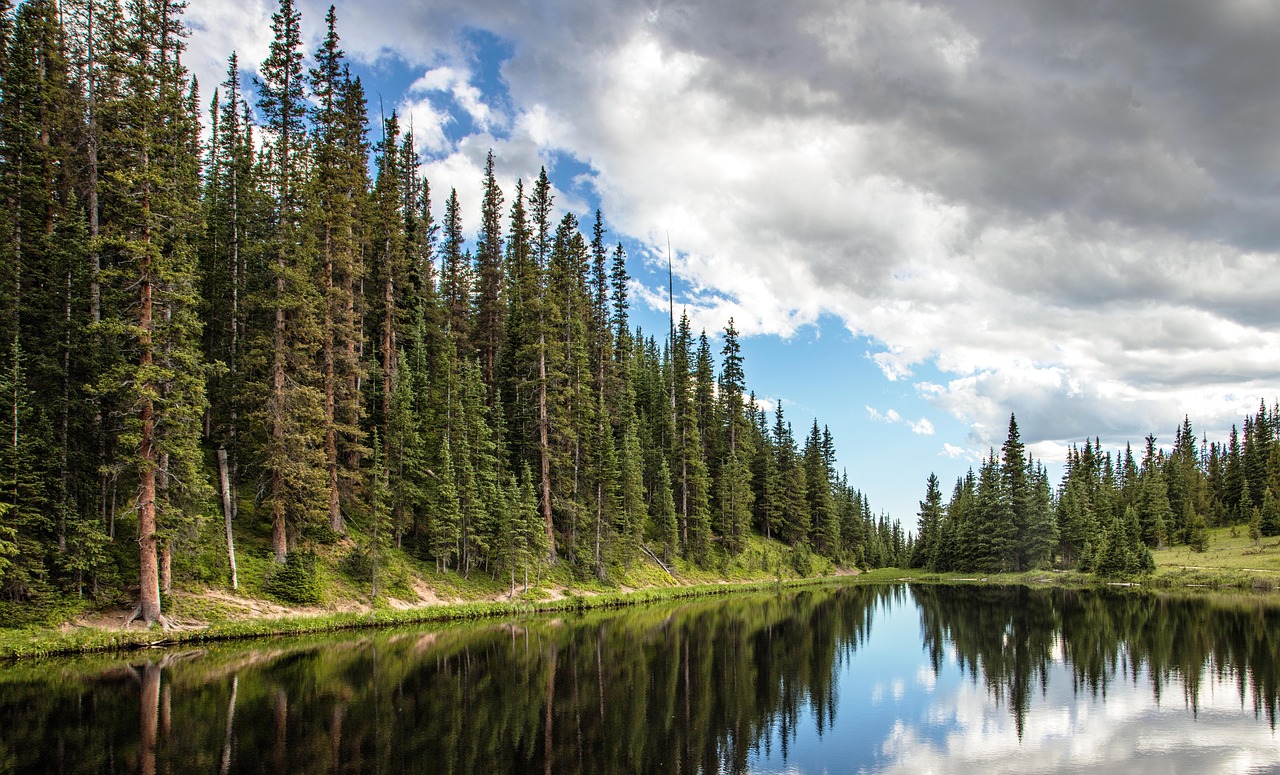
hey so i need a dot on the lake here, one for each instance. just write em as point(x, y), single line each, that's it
point(829, 679)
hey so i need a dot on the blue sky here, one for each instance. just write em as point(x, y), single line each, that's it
point(922, 216)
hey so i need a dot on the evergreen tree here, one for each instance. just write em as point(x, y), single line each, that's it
point(1041, 534)
point(825, 521)
point(292, 417)
point(490, 312)
point(994, 530)
point(336, 188)
point(665, 528)
point(1154, 511)
point(1017, 489)
point(1269, 514)
point(929, 526)
point(153, 196)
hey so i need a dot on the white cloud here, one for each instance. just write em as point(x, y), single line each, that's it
point(457, 84)
point(922, 427)
point(1066, 216)
point(959, 453)
point(427, 123)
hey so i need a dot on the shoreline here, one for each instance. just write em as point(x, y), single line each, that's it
point(71, 639)
point(16, 646)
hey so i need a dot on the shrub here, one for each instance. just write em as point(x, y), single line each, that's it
point(296, 581)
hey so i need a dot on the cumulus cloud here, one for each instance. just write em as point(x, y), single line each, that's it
point(888, 416)
point(921, 427)
point(965, 732)
point(956, 452)
point(1068, 210)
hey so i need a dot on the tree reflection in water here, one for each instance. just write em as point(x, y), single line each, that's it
point(715, 686)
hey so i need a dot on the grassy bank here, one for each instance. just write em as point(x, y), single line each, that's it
point(21, 644)
point(1232, 562)
point(410, 591)
point(417, 594)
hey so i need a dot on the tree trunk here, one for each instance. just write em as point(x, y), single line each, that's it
point(544, 446)
point(330, 432)
point(279, 545)
point(166, 566)
point(224, 485)
point(233, 352)
point(148, 572)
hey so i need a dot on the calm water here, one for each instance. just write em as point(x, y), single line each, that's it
point(838, 680)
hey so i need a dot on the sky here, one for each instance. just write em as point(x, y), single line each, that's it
point(922, 216)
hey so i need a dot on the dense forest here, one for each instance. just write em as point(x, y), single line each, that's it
point(1109, 511)
point(258, 329)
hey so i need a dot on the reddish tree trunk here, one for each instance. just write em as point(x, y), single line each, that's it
point(148, 572)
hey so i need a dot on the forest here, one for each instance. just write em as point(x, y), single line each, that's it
point(258, 331)
point(1109, 511)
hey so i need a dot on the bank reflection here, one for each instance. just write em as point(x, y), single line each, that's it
point(978, 677)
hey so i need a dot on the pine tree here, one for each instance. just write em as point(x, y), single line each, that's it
point(633, 513)
point(1269, 514)
point(389, 269)
point(1041, 535)
point(929, 524)
point(665, 527)
point(1154, 511)
point(793, 512)
point(1114, 557)
point(1077, 521)
point(446, 511)
point(993, 528)
point(490, 310)
point(153, 191)
point(734, 487)
point(291, 454)
point(689, 467)
point(233, 224)
point(38, 242)
point(336, 187)
point(534, 534)
point(1018, 491)
point(455, 278)
point(825, 523)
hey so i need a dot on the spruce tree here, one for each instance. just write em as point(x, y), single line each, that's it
point(153, 195)
point(292, 415)
point(336, 187)
point(928, 528)
point(490, 310)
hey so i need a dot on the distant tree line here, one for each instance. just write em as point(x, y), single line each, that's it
point(281, 300)
point(1109, 511)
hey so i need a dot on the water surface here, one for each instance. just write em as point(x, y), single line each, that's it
point(826, 680)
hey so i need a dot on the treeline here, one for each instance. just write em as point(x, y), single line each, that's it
point(266, 318)
point(1109, 511)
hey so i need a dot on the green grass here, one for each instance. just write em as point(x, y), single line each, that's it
point(209, 611)
point(1232, 562)
point(1225, 550)
point(26, 644)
